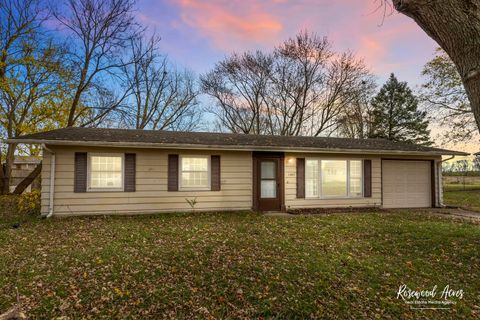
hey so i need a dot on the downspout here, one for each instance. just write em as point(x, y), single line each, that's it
point(52, 181)
point(439, 182)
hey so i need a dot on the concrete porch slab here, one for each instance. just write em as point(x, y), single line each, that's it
point(277, 214)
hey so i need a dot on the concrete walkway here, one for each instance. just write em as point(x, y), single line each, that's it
point(459, 213)
point(278, 214)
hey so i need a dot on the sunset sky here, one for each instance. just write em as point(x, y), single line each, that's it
point(196, 34)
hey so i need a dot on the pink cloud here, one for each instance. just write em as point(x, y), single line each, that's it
point(385, 45)
point(394, 44)
point(231, 24)
point(374, 45)
point(371, 47)
point(238, 25)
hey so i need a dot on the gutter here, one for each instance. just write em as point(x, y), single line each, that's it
point(228, 148)
point(52, 181)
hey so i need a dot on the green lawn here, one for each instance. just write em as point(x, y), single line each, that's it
point(464, 199)
point(239, 265)
point(460, 187)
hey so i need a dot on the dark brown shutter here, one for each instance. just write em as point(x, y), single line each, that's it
point(130, 172)
point(173, 172)
point(300, 178)
point(80, 174)
point(215, 173)
point(367, 178)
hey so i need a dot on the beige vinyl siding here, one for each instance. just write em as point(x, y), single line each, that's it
point(151, 185)
point(291, 201)
point(45, 183)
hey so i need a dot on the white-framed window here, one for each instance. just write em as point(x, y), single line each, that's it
point(333, 178)
point(311, 178)
point(355, 178)
point(194, 172)
point(105, 171)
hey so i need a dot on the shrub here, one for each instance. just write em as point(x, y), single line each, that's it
point(8, 205)
point(29, 203)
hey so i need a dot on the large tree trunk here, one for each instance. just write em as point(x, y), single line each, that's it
point(455, 26)
point(7, 168)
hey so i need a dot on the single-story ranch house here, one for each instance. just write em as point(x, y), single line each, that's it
point(121, 171)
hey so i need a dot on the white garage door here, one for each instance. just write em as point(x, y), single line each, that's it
point(406, 184)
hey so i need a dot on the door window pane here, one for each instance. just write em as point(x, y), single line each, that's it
point(268, 183)
point(334, 178)
point(268, 189)
point(268, 170)
point(355, 178)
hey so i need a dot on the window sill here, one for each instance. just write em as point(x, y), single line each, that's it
point(105, 190)
point(336, 198)
point(194, 190)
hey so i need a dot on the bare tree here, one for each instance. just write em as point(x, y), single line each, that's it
point(346, 79)
point(300, 88)
point(356, 118)
point(455, 26)
point(162, 97)
point(444, 96)
point(298, 85)
point(100, 31)
point(238, 84)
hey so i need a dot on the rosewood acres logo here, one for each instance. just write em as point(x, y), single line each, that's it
point(429, 299)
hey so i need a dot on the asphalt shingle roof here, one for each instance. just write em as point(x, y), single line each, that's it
point(145, 138)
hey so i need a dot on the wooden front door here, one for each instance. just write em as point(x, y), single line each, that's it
point(268, 182)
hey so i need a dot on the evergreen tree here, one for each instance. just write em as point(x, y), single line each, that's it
point(395, 115)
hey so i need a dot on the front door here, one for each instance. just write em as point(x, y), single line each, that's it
point(269, 184)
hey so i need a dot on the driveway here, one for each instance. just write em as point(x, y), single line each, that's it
point(457, 213)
